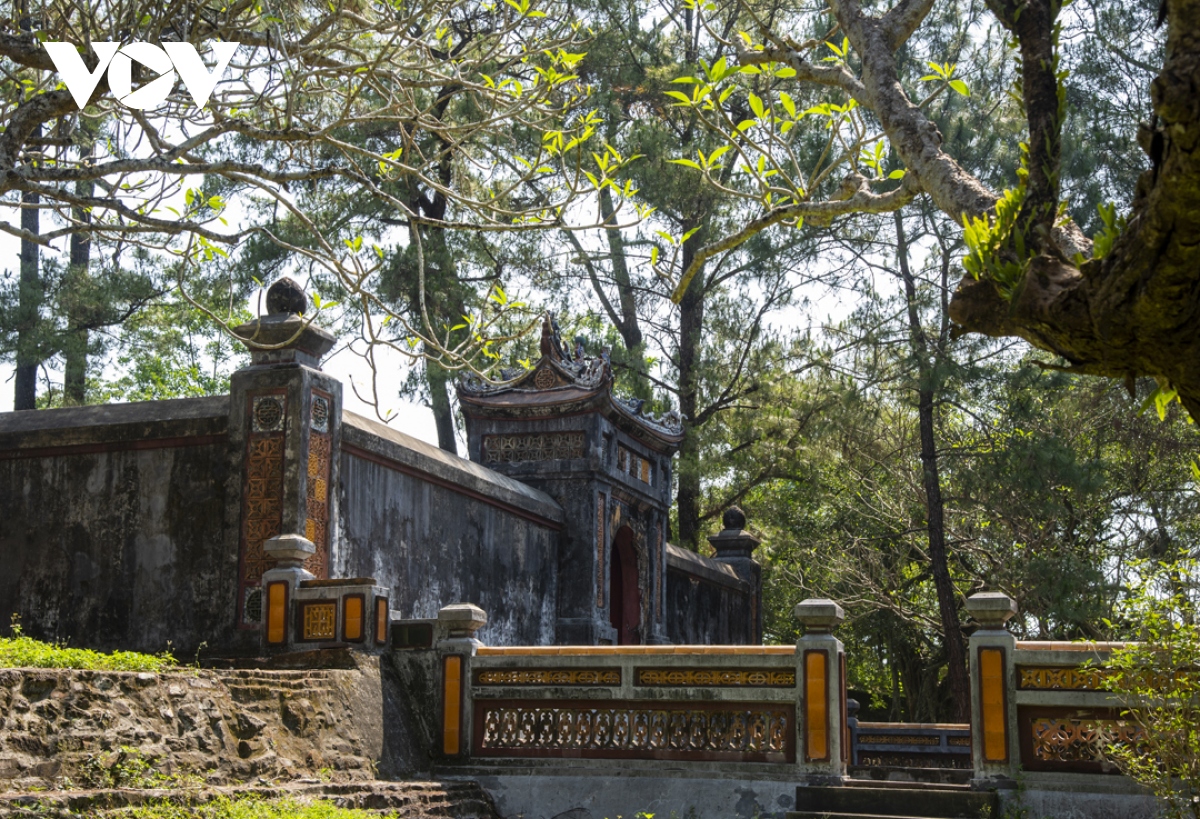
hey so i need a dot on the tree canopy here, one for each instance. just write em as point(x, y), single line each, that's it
point(1121, 304)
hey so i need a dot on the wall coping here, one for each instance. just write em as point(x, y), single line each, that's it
point(393, 448)
point(915, 726)
point(705, 568)
point(1063, 645)
point(609, 651)
point(133, 424)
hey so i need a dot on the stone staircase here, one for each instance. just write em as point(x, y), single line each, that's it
point(250, 685)
point(894, 800)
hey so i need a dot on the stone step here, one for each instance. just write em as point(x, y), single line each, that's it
point(893, 775)
point(911, 778)
point(914, 800)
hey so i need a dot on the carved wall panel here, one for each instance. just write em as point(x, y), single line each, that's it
point(262, 498)
point(544, 446)
point(549, 676)
point(742, 678)
point(960, 762)
point(747, 732)
point(601, 548)
point(659, 569)
point(634, 465)
point(898, 739)
point(316, 524)
point(1035, 678)
point(1061, 739)
point(318, 621)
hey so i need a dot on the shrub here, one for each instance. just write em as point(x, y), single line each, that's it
point(248, 808)
point(19, 651)
point(1158, 680)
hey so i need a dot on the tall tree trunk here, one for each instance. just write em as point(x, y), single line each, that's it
point(75, 346)
point(691, 326)
point(952, 641)
point(438, 381)
point(628, 326)
point(29, 306)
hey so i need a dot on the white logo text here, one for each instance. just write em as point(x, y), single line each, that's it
point(167, 60)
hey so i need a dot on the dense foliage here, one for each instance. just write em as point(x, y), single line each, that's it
point(19, 651)
point(1159, 680)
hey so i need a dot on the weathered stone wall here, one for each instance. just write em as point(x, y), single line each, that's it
point(122, 522)
point(122, 526)
point(440, 530)
point(102, 728)
point(707, 603)
point(115, 525)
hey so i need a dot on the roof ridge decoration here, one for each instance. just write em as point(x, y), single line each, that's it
point(562, 382)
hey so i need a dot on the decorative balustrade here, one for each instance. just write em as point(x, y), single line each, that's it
point(1064, 717)
point(910, 745)
point(1041, 706)
point(1035, 706)
point(770, 705)
point(635, 702)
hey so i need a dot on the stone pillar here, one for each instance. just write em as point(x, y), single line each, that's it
point(995, 752)
point(735, 546)
point(821, 682)
point(284, 425)
point(456, 645)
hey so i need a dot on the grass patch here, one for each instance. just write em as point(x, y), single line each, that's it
point(19, 651)
point(248, 808)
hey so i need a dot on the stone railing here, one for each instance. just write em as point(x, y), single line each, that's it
point(908, 744)
point(302, 613)
point(775, 705)
point(1039, 707)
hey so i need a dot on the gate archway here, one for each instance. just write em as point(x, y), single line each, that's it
point(625, 603)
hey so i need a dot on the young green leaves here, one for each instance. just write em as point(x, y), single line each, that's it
point(944, 73)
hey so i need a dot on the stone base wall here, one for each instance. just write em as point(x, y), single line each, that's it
point(611, 790)
point(1079, 796)
point(72, 728)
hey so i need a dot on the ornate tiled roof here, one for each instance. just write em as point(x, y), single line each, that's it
point(562, 384)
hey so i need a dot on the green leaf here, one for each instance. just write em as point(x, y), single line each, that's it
point(960, 87)
point(788, 104)
point(896, 174)
point(688, 162)
point(717, 152)
point(756, 105)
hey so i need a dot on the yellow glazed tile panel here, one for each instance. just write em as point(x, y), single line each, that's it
point(352, 617)
point(276, 612)
point(816, 708)
point(991, 696)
